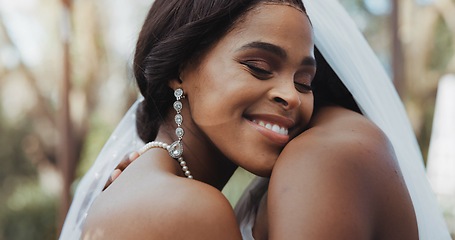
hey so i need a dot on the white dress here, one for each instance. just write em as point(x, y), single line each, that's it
point(248, 204)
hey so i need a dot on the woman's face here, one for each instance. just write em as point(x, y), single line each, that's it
point(249, 94)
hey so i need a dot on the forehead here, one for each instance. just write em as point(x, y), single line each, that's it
point(277, 23)
point(272, 9)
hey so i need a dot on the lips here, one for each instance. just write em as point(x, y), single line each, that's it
point(273, 127)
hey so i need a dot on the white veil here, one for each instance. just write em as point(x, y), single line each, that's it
point(122, 141)
point(348, 53)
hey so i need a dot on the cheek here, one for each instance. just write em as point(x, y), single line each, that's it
point(306, 108)
point(218, 98)
point(202, 95)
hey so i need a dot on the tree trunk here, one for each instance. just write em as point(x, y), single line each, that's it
point(66, 151)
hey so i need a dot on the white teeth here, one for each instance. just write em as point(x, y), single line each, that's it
point(283, 131)
point(274, 127)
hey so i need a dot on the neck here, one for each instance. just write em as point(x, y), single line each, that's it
point(206, 163)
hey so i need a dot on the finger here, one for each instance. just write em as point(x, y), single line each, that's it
point(127, 160)
point(124, 163)
point(115, 174)
point(111, 179)
point(133, 156)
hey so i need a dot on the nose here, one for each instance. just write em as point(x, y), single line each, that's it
point(286, 95)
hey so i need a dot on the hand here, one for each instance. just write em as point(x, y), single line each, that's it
point(126, 161)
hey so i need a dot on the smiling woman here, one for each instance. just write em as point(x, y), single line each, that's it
point(261, 82)
point(252, 74)
point(241, 89)
point(230, 84)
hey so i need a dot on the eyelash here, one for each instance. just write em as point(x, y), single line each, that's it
point(264, 74)
point(306, 87)
point(257, 71)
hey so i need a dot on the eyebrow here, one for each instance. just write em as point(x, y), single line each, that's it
point(274, 49)
point(267, 47)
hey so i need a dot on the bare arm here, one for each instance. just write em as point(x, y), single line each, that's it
point(339, 180)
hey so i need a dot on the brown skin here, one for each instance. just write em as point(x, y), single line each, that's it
point(338, 180)
point(182, 210)
point(357, 190)
point(360, 162)
point(226, 97)
point(125, 162)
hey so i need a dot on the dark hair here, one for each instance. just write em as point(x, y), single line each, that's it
point(174, 32)
point(328, 88)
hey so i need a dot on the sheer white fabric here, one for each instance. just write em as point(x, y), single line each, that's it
point(350, 56)
point(347, 52)
point(123, 141)
point(248, 204)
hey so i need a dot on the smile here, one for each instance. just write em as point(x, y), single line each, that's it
point(272, 126)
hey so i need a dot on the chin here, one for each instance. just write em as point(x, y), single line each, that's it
point(262, 169)
point(264, 173)
point(259, 162)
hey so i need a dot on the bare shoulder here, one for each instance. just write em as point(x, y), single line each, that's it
point(341, 175)
point(347, 133)
point(162, 207)
point(341, 139)
point(335, 117)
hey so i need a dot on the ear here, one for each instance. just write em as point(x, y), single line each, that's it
point(175, 83)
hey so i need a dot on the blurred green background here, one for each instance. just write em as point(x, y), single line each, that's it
point(65, 80)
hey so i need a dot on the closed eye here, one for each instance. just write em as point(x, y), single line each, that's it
point(303, 88)
point(303, 79)
point(256, 70)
